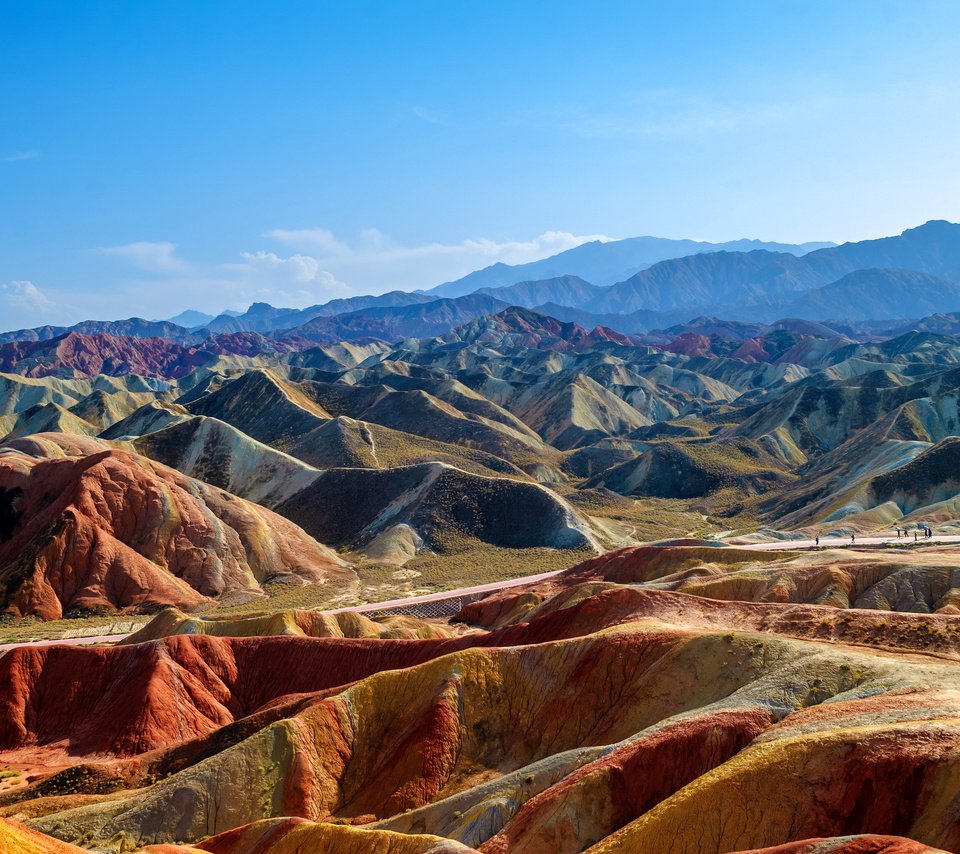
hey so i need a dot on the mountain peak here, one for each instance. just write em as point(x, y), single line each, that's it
point(937, 228)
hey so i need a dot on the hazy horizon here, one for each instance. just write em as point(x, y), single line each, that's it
point(25, 294)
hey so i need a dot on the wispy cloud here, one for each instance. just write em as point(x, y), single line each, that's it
point(296, 281)
point(320, 240)
point(426, 115)
point(19, 155)
point(154, 257)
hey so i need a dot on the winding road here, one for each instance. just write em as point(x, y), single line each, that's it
point(777, 545)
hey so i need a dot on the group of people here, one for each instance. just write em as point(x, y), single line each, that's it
point(901, 532)
point(927, 532)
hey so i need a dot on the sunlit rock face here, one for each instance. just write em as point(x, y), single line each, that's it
point(89, 528)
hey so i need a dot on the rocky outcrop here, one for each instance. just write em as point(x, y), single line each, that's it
point(909, 604)
point(210, 450)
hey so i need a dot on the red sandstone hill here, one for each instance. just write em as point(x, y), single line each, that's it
point(691, 344)
point(76, 355)
point(88, 529)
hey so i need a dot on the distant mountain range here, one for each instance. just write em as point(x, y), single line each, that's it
point(912, 275)
point(191, 318)
point(392, 323)
point(562, 290)
point(876, 295)
point(262, 317)
point(606, 262)
point(756, 284)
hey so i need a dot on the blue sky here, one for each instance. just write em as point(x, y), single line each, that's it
point(160, 156)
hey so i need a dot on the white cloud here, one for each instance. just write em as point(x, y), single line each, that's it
point(23, 304)
point(175, 284)
point(24, 295)
point(317, 239)
point(19, 155)
point(298, 280)
point(154, 257)
point(375, 263)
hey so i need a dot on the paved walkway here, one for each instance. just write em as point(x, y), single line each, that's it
point(370, 606)
point(778, 545)
point(70, 641)
point(844, 542)
point(447, 594)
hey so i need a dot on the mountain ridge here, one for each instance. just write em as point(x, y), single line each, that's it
point(621, 258)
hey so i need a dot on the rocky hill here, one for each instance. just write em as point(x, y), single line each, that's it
point(89, 529)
